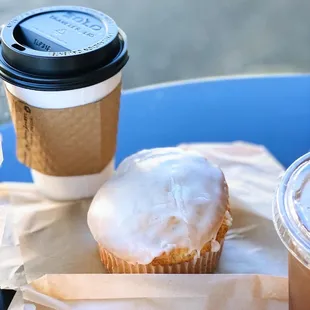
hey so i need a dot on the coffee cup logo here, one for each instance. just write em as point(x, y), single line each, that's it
point(28, 130)
point(77, 21)
point(85, 21)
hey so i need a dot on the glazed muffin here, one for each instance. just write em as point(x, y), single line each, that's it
point(164, 210)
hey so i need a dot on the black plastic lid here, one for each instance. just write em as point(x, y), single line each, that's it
point(61, 48)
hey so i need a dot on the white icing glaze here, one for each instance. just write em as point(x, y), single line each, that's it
point(228, 218)
point(159, 200)
point(215, 246)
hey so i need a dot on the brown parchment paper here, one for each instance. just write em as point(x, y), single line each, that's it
point(66, 142)
point(162, 292)
point(11, 262)
point(53, 237)
point(252, 173)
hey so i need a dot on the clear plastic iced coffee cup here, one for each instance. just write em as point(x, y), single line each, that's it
point(292, 222)
point(61, 68)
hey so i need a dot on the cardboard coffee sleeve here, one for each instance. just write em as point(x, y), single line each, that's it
point(66, 142)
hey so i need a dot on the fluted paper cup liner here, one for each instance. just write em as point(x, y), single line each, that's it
point(206, 263)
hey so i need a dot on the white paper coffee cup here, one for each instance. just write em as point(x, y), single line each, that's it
point(68, 187)
point(63, 87)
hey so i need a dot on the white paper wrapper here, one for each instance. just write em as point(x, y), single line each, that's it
point(46, 237)
point(156, 292)
point(252, 175)
point(12, 273)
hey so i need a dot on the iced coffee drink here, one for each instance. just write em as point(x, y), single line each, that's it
point(292, 222)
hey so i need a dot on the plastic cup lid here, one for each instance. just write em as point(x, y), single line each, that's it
point(62, 47)
point(292, 209)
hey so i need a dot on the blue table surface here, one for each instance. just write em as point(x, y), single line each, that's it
point(270, 110)
point(273, 111)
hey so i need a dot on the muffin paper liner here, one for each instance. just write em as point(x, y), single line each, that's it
point(206, 263)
